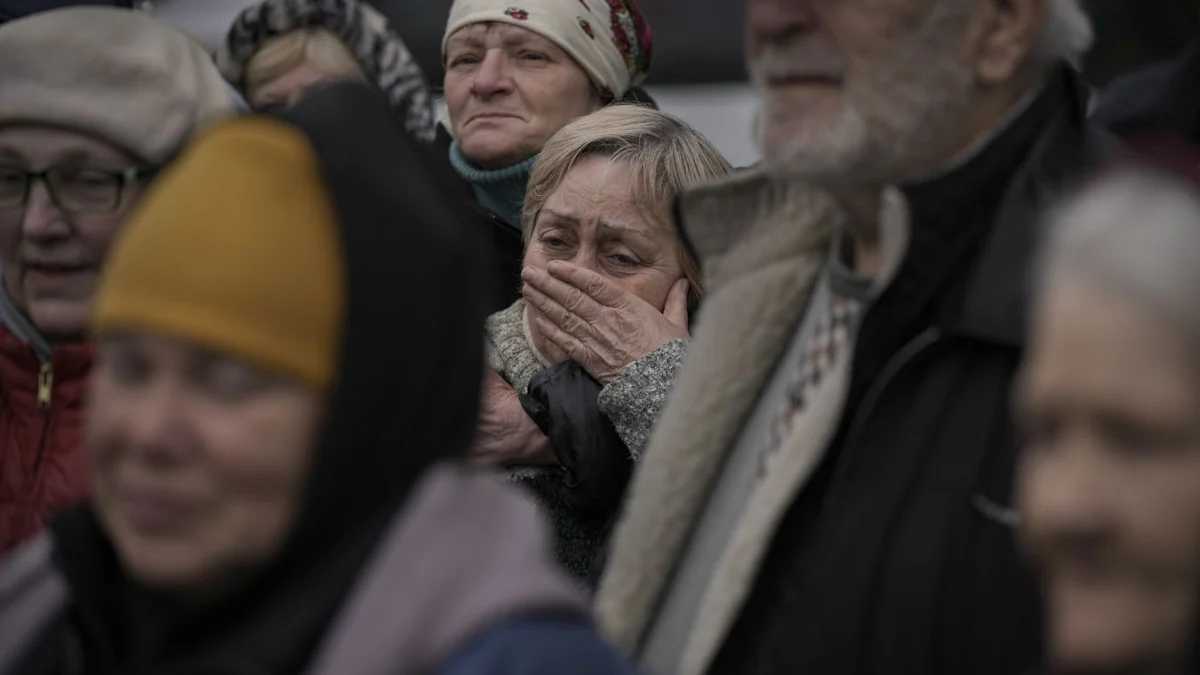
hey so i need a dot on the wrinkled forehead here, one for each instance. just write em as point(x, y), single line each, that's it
point(39, 144)
point(493, 35)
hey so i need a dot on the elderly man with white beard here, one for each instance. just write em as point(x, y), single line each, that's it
point(828, 490)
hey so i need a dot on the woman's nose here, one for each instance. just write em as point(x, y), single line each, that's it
point(492, 77)
point(153, 430)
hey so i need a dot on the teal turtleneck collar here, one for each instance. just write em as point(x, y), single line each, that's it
point(501, 191)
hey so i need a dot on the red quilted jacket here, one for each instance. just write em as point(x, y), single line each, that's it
point(42, 464)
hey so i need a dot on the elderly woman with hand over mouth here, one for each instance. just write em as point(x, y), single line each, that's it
point(1109, 490)
point(516, 73)
point(585, 361)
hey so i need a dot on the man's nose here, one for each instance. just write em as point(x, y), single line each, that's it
point(770, 21)
point(1071, 497)
point(42, 218)
point(493, 76)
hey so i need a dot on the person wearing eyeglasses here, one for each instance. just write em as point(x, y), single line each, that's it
point(96, 101)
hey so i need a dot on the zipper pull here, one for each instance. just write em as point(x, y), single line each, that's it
point(45, 384)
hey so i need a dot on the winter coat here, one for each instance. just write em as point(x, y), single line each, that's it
point(630, 404)
point(910, 562)
point(460, 584)
point(42, 464)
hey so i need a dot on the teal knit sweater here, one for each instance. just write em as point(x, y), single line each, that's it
point(501, 191)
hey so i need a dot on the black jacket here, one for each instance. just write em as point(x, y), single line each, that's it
point(507, 247)
point(898, 557)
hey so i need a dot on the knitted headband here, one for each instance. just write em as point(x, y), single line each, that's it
point(609, 39)
point(257, 274)
point(365, 32)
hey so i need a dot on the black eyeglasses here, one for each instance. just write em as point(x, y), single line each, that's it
point(76, 189)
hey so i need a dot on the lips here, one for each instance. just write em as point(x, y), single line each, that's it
point(156, 512)
point(492, 116)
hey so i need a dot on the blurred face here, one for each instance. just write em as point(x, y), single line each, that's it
point(591, 220)
point(286, 89)
point(508, 90)
point(1110, 479)
point(859, 90)
point(51, 257)
point(198, 460)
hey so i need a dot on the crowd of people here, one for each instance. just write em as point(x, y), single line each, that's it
point(296, 377)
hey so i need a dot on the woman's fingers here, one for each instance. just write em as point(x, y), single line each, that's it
point(554, 311)
point(595, 286)
point(569, 344)
point(573, 300)
point(676, 308)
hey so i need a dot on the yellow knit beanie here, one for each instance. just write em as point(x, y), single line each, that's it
point(236, 248)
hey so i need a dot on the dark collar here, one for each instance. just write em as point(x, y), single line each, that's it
point(1067, 149)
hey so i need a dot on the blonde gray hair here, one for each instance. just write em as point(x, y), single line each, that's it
point(1138, 231)
point(281, 54)
point(664, 154)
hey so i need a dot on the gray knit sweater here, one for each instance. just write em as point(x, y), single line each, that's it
point(632, 402)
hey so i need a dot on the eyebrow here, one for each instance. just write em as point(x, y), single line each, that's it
point(72, 156)
point(607, 224)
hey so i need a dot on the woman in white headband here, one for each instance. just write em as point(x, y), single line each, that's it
point(517, 71)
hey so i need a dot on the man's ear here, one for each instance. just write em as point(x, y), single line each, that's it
point(1010, 33)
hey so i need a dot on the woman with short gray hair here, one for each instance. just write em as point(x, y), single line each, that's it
point(583, 363)
point(1109, 481)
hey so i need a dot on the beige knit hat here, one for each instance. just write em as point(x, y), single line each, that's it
point(116, 74)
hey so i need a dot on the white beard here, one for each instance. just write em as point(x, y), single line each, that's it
point(905, 109)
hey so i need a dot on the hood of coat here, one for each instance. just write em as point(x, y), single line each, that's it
point(365, 32)
point(401, 401)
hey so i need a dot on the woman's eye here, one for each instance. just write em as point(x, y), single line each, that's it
point(124, 369)
point(230, 382)
point(464, 60)
point(625, 260)
point(556, 243)
point(533, 56)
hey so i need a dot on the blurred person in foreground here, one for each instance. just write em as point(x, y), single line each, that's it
point(278, 49)
point(516, 73)
point(95, 102)
point(1107, 402)
point(602, 330)
point(829, 488)
point(276, 484)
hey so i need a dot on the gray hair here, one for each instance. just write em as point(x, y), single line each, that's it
point(1065, 35)
point(1138, 231)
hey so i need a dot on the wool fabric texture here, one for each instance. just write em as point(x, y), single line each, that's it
point(610, 39)
point(118, 75)
point(501, 191)
point(263, 282)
